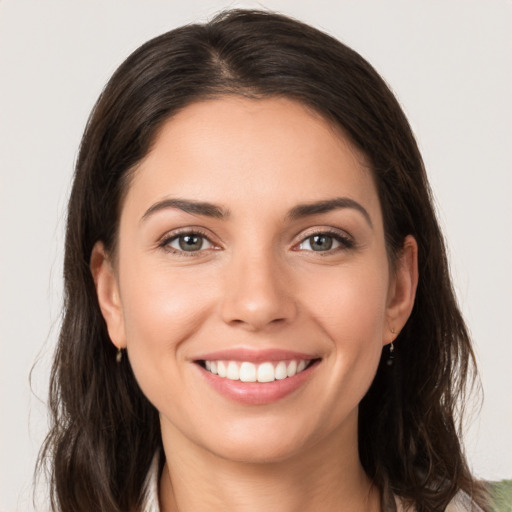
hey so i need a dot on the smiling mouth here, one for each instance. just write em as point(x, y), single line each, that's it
point(246, 371)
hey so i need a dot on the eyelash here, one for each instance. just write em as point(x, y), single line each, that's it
point(346, 243)
point(168, 239)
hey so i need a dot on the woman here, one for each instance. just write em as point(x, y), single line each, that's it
point(258, 311)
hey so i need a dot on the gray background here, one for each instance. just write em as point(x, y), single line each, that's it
point(448, 61)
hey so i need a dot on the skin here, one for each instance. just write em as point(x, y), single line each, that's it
point(256, 283)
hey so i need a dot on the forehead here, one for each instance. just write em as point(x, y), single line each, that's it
point(245, 152)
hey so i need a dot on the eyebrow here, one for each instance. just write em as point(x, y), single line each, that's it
point(297, 212)
point(305, 210)
point(187, 206)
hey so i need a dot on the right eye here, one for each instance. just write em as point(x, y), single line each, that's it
point(189, 242)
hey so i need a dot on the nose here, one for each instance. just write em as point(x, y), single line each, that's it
point(258, 293)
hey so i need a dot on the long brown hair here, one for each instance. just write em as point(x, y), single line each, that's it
point(104, 430)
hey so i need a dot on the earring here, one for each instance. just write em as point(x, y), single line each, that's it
point(119, 355)
point(391, 356)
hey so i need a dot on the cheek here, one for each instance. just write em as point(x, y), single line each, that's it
point(162, 306)
point(351, 310)
point(161, 310)
point(350, 304)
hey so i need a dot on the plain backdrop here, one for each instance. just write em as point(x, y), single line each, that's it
point(448, 61)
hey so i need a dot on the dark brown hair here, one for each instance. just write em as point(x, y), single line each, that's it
point(104, 430)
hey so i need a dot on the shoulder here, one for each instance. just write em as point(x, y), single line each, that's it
point(461, 502)
point(501, 495)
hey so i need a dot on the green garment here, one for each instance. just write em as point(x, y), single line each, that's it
point(501, 496)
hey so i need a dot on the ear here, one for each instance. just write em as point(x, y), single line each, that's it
point(402, 289)
point(107, 290)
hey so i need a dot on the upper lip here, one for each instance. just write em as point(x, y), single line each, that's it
point(254, 356)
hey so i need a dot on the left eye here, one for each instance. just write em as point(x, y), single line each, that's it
point(320, 243)
point(189, 242)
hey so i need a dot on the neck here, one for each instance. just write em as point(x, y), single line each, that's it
point(328, 476)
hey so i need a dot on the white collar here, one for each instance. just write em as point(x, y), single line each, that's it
point(150, 501)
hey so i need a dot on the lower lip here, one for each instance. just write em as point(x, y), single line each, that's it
point(257, 393)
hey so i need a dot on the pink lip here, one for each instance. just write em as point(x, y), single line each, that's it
point(254, 356)
point(256, 393)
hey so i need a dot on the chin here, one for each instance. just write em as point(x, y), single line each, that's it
point(257, 452)
point(259, 442)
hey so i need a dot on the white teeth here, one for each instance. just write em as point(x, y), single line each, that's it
point(232, 371)
point(221, 369)
point(292, 368)
point(280, 372)
point(249, 372)
point(266, 372)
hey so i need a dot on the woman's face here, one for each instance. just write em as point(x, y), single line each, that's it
point(252, 288)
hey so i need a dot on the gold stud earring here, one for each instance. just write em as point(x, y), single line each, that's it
point(119, 355)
